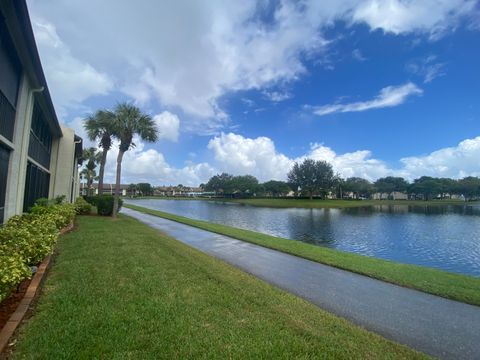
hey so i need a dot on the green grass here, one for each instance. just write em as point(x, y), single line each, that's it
point(449, 285)
point(120, 290)
point(318, 203)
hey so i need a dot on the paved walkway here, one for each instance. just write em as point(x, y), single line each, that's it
point(443, 328)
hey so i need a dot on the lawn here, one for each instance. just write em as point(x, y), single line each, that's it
point(119, 289)
point(449, 285)
point(318, 203)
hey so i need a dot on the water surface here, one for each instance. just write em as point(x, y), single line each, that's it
point(443, 237)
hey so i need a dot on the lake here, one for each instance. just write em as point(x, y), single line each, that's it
point(443, 237)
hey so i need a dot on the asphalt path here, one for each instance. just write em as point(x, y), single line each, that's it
point(439, 327)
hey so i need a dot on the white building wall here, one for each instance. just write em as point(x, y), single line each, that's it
point(64, 171)
point(19, 154)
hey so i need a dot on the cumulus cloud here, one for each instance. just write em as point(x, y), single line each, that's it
point(148, 165)
point(388, 97)
point(168, 125)
point(239, 155)
point(259, 157)
point(70, 80)
point(358, 163)
point(456, 162)
point(188, 55)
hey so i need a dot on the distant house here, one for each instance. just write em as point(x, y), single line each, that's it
point(184, 191)
point(394, 195)
point(107, 189)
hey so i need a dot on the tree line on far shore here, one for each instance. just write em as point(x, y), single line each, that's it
point(316, 178)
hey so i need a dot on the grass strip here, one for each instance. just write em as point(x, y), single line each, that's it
point(322, 204)
point(119, 289)
point(449, 285)
point(318, 203)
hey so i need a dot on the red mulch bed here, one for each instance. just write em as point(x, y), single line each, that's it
point(10, 304)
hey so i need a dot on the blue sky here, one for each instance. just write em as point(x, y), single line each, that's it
point(376, 88)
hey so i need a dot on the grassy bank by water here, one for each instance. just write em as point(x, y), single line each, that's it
point(449, 285)
point(120, 290)
point(318, 203)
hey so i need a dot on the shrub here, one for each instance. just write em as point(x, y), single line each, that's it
point(31, 236)
point(105, 204)
point(62, 214)
point(82, 207)
point(26, 240)
point(12, 272)
point(92, 200)
point(60, 199)
point(42, 202)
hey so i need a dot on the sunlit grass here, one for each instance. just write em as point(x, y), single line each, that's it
point(119, 289)
point(449, 285)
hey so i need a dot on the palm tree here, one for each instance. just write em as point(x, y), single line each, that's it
point(92, 158)
point(130, 121)
point(99, 126)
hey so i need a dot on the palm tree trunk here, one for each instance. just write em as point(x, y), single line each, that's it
point(102, 171)
point(117, 183)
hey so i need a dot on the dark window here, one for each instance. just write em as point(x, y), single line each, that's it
point(4, 157)
point(40, 145)
point(10, 70)
point(37, 184)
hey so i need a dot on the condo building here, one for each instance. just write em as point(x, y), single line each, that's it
point(39, 158)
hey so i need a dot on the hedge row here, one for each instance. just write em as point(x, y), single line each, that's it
point(26, 239)
point(104, 203)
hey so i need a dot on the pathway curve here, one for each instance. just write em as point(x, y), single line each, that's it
point(440, 327)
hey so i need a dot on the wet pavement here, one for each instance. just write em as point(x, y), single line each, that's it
point(439, 327)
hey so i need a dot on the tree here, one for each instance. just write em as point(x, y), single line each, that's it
point(91, 158)
point(145, 189)
point(276, 188)
point(219, 183)
point(358, 186)
point(427, 186)
point(99, 127)
point(244, 185)
point(469, 187)
point(132, 189)
point(129, 121)
point(390, 184)
point(312, 176)
point(89, 175)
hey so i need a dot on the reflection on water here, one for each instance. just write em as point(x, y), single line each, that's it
point(445, 237)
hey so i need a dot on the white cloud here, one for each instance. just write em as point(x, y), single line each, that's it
point(357, 55)
point(433, 17)
point(259, 157)
point(277, 96)
point(388, 97)
point(187, 55)
point(149, 165)
point(456, 162)
point(70, 80)
point(358, 163)
point(239, 155)
point(168, 125)
point(428, 68)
